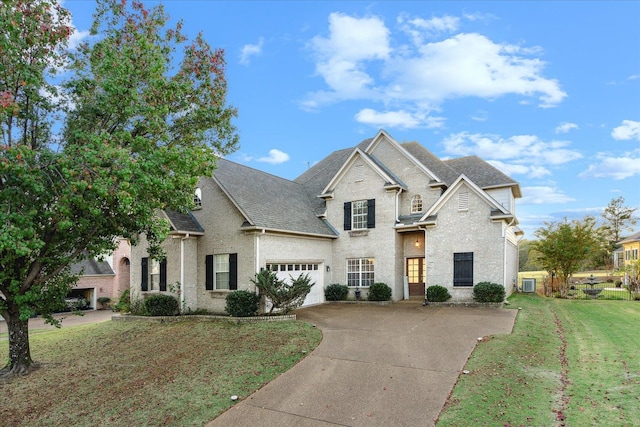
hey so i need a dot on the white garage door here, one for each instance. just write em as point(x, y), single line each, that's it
point(314, 270)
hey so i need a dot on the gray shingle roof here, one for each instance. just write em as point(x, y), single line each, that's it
point(632, 238)
point(443, 171)
point(482, 173)
point(270, 201)
point(183, 223)
point(91, 267)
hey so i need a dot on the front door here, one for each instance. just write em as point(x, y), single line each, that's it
point(415, 273)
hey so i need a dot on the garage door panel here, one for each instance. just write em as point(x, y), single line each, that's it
point(287, 271)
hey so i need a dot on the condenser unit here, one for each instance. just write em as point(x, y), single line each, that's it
point(528, 285)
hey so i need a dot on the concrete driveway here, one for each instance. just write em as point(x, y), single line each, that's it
point(377, 365)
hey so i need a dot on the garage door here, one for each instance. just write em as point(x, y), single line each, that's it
point(314, 270)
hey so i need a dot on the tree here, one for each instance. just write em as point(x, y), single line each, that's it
point(616, 219)
point(138, 126)
point(282, 295)
point(563, 246)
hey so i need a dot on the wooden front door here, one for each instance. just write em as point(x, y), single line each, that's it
point(415, 273)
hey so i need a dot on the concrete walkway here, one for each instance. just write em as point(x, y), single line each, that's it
point(376, 366)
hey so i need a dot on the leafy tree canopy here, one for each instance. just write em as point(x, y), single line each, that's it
point(563, 246)
point(135, 116)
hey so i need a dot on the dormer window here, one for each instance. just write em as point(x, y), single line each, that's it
point(416, 204)
point(197, 199)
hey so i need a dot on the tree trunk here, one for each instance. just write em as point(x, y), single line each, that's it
point(20, 361)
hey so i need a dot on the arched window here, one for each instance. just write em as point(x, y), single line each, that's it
point(197, 198)
point(416, 204)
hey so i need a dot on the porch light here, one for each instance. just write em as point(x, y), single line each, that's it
point(417, 243)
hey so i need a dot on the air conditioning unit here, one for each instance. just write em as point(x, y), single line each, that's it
point(528, 285)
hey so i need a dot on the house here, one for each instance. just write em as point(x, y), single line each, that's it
point(108, 277)
point(630, 251)
point(381, 211)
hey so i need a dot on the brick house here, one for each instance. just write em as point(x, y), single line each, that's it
point(381, 211)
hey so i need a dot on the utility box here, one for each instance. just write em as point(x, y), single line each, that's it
point(528, 285)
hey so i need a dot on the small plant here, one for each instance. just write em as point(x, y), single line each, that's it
point(124, 303)
point(336, 292)
point(242, 304)
point(161, 305)
point(437, 293)
point(104, 301)
point(379, 292)
point(137, 307)
point(283, 296)
point(488, 292)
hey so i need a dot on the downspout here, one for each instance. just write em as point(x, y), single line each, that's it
point(504, 255)
point(182, 299)
point(258, 250)
point(398, 205)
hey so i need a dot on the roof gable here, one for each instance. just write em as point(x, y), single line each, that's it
point(483, 174)
point(269, 202)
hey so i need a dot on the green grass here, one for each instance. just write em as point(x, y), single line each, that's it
point(128, 373)
point(566, 361)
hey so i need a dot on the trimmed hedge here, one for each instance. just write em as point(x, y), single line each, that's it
point(379, 292)
point(161, 305)
point(242, 304)
point(488, 292)
point(437, 293)
point(336, 292)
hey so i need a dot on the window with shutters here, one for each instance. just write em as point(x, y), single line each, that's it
point(360, 272)
point(360, 214)
point(463, 269)
point(221, 272)
point(154, 275)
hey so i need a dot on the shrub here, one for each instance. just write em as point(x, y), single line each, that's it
point(124, 304)
point(242, 304)
point(137, 307)
point(437, 293)
point(379, 292)
point(488, 292)
point(283, 296)
point(336, 292)
point(161, 305)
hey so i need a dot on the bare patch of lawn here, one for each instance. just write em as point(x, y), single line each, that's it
point(130, 373)
point(566, 363)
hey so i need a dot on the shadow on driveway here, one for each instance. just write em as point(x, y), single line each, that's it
point(377, 365)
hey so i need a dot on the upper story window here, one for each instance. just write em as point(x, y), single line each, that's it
point(197, 198)
point(416, 204)
point(359, 169)
point(360, 214)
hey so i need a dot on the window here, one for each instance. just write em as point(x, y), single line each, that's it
point(463, 269)
point(154, 275)
point(360, 272)
point(359, 173)
point(463, 201)
point(197, 199)
point(416, 204)
point(360, 214)
point(221, 272)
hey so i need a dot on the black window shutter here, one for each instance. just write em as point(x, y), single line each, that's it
point(347, 216)
point(371, 213)
point(208, 283)
point(163, 275)
point(145, 274)
point(463, 269)
point(233, 272)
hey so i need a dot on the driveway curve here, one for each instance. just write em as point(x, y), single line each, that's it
point(377, 365)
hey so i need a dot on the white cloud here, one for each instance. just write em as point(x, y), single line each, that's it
point(419, 28)
point(566, 127)
point(512, 169)
point(629, 129)
point(275, 157)
point(250, 50)
point(397, 119)
point(358, 61)
point(543, 195)
point(517, 150)
point(609, 166)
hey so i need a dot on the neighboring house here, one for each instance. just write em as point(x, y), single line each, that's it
point(630, 251)
point(378, 212)
point(106, 278)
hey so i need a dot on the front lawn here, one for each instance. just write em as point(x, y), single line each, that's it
point(567, 362)
point(129, 373)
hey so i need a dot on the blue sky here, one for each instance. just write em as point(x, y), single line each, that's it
point(548, 92)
